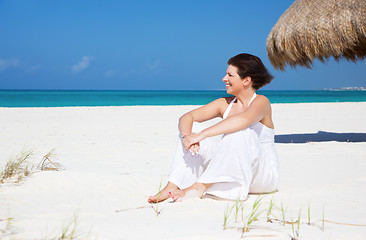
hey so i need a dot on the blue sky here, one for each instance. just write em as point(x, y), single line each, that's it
point(146, 45)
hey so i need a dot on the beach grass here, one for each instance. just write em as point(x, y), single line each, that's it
point(309, 213)
point(323, 220)
point(293, 229)
point(226, 215)
point(254, 214)
point(69, 230)
point(237, 206)
point(298, 223)
point(242, 210)
point(6, 230)
point(17, 167)
point(259, 206)
point(295, 232)
point(283, 214)
point(156, 209)
point(270, 208)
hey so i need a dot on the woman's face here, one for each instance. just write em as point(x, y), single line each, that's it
point(232, 80)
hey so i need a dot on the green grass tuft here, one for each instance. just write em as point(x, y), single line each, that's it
point(309, 213)
point(255, 213)
point(69, 230)
point(156, 209)
point(270, 208)
point(283, 213)
point(6, 230)
point(226, 215)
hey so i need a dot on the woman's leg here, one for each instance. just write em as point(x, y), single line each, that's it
point(229, 172)
point(186, 168)
point(196, 190)
point(231, 167)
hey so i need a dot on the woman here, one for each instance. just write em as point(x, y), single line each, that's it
point(244, 160)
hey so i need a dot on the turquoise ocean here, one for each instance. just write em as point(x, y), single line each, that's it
point(66, 98)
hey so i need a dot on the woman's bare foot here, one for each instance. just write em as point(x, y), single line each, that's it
point(164, 193)
point(196, 190)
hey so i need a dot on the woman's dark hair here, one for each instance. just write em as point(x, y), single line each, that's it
point(251, 66)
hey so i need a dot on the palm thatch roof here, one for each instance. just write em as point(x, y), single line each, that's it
point(311, 29)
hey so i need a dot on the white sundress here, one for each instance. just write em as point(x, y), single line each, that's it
point(237, 163)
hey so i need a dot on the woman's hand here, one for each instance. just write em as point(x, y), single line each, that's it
point(191, 142)
point(194, 149)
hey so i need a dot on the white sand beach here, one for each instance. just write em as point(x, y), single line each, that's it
point(114, 158)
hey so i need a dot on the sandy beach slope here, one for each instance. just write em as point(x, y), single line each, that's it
point(113, 158)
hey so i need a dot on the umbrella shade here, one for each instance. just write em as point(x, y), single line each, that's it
point(311, 29)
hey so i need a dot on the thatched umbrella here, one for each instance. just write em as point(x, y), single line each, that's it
point(318, 29)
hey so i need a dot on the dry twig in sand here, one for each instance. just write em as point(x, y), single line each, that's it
point(43, 166)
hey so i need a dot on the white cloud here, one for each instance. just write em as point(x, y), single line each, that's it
point(154, 66)
point(110, 73)
point(131, 72)
point(7, 63)
point(83, 64)
point(34, 68)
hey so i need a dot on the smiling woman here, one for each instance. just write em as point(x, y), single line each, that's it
point(244, 159)
point(249, 65)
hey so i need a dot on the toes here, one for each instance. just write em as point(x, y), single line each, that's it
point(170, 195)
point(175, 198)
point(151, 199)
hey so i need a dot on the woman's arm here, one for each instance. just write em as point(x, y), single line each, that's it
point(204, 113)
point(253, 114)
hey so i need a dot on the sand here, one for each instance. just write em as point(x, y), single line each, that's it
point(113, 158)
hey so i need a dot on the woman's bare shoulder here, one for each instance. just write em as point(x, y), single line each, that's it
point(222, 104)
point(223, 100)
point(262, 99)
point(261, 102)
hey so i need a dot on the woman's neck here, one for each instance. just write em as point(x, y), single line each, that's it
point(245, 96)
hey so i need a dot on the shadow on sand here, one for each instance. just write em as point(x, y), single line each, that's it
point(320, 137)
